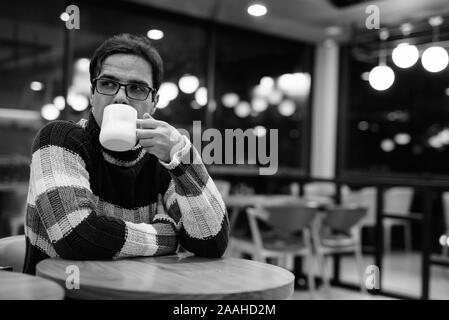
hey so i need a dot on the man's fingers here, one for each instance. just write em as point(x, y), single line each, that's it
point(146, 133)
point(148, 123)
point(147, 143)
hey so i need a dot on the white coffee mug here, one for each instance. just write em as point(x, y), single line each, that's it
point(118, 128)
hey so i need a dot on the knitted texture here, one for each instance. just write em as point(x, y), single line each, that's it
point(88, 203)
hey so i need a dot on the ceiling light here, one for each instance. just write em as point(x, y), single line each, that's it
point(82, 65)
point(36, 86)
point(260, 131)
point(435, 59)
point(155, 34)
point(402, 138)
point(243, 109)
point(257, 10)
point(201, 96)
point(381, 77)
point(275, 97)
point(162, 102)
point(363, 125)
point(59, 102)
point(188, 83)
point(365, 76)
point(387, 145)
point(168, 91)
point(230, 100)
point(259, 104)
point(287, 107)
point(405, 55)
point(50, 112)
point(64, 16)
point(77, 101)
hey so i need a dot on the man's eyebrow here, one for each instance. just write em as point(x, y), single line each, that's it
point(119, 80)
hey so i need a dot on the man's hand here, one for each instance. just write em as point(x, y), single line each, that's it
point(159, 138)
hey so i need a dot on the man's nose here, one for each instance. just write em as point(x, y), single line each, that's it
point(120, 96)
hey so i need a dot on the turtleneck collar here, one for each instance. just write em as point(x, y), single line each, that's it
point(125, 158)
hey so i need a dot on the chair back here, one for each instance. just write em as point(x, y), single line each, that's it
point(288, 218)
point(320, 191)
point(398, 200)
point(223, 186)
point(12, 252)
point(366, 198)
point(343, 218)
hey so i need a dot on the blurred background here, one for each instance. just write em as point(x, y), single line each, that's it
point(356, 96)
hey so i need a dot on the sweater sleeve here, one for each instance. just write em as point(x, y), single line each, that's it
point(61, 196)
point(195, 204)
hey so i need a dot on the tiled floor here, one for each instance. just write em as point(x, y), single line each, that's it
point(401, 273)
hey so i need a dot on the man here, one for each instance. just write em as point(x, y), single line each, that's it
point(87, 202)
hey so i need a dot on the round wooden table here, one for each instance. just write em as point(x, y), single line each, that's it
point(180, 276)
point(19, 286)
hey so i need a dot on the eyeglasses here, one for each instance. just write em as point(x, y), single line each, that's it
point(110, 87)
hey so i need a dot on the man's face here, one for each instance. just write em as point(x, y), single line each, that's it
point(124, 68)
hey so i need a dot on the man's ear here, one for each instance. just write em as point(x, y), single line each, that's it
point(91, 94)
point(155, 101)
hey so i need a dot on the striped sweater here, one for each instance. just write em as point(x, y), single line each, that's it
point(86, 202)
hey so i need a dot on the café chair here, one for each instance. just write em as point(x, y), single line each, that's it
point(322, 192)
point(397, 200)
point(12, 252)
point(286, 234)
point(223, 186)
point(335, 231)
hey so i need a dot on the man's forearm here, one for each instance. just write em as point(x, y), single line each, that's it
point(193, 195)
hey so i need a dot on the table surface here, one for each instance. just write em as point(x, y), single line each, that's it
point(19, 286)
point(178, 276)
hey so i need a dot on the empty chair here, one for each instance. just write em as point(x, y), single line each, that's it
point(365, 197)
point(288, 236)
point(321, 192)
point(223, 186)
point(338, 230)
point(12, 252)
point(398, 200)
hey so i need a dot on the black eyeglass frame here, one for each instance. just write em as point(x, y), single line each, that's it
point(151, 90)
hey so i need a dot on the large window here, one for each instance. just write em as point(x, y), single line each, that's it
point(31, 63)
point(41, 62)
point(263, 83)
point(402, 130)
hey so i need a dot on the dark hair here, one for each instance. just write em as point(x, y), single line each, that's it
point(126, 43)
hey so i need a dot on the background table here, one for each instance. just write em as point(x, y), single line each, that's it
point(19, 286)
point(181, 276)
